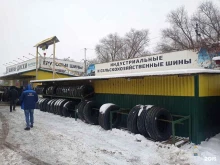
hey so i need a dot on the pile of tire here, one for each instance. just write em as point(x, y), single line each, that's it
point(85, 91)
point(62, 107)
point(143, 119)
point(104, 116)
point(51, 90)
point(88, 111)
point(40, 89)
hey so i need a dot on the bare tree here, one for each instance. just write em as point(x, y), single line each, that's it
point(114, 47)
point(109, 48)
point(180, 34)
point(135, 42)
point(208, 19)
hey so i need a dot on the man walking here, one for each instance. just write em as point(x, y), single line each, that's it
point(28, 101)
point(13, 96)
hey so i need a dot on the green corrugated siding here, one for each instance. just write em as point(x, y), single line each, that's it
point(176, 105)
point(208, 117)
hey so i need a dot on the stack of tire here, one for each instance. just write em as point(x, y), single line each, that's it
point(62, 107)
point(51, 90)
point(144, 119)
point(85, 91)
point(88, 111)
point(40, 89)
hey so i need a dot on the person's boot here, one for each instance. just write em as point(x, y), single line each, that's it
point(32, 126)
point(27, 128)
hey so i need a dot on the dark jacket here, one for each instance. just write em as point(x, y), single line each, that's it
point(13, 94)
point(28, 98)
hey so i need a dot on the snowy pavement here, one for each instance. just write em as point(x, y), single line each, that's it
point(64, 141)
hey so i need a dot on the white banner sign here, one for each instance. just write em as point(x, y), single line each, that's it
point(167, 61)
point(21, 67)
point(61, 66)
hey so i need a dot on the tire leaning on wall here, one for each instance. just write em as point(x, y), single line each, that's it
point(60, 109)
point(158, 130)
point(90, 114)
point(68, 109)
point(104, 116)
point(80, 108)
point(141, 120)
point(132, 119)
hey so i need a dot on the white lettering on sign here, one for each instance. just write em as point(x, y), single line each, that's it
point(22, 66)
point(167, 61)
point(67, 67)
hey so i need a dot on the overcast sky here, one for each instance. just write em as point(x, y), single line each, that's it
point(78, 24)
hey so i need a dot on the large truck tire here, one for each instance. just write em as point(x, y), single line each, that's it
point(132, 119)
point(104, 116)
point(91, 115)
point(158, 130)
point(141, 120)
point(80, 108)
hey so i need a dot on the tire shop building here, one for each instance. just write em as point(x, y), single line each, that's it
point(157, 96)
point(20, 74)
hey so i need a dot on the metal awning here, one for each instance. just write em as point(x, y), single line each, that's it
point(45, 43)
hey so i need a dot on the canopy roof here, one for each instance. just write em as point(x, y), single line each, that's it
point(45, 43)
point(134, 75)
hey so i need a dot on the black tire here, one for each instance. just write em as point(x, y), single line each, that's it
point(104, 116)
point(91, 115)
point(80, 108)
point(57, 105)
point(60, 109)
point(69, 109)
point(52, 106)
point(158, 130)
point(86, 91)
point(41, 104)
point(44, 106)
point(141, 120)
point(132, 119)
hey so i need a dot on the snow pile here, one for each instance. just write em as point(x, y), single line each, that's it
point(59, 140)
point(104, 107)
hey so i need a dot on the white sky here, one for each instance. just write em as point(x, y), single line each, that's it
point(77, 23)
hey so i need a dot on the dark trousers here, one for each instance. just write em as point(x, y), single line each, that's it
point(12, 104)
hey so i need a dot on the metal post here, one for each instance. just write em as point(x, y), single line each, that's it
point(36, 62)
point(85, 61)
point(173, 133)
point(190, 129)
point(110, 120)
point(54, 46)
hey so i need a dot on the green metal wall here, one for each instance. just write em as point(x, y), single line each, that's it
point(197, 96)
point(176, 105)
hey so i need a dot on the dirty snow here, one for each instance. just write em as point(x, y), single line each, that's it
point(57, 140)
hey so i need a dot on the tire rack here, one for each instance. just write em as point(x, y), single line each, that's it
point(173, 139)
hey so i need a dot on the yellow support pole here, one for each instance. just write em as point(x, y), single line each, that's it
point(54, 59)
point(36, 62)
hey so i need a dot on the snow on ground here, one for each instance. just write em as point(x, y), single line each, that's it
point(59, 140)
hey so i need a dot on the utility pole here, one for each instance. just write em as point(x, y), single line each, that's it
point(85, 61)
point(36, 63)
point(54, 46)
point(197, 34)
